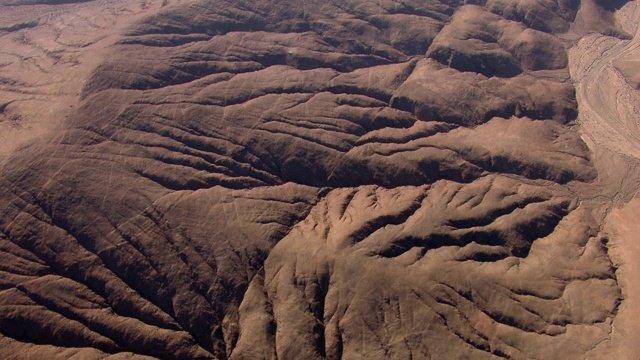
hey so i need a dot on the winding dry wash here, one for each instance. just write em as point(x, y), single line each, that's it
point(606, 70)
point(278, 179)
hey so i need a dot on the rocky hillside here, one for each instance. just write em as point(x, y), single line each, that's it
point(317, 179)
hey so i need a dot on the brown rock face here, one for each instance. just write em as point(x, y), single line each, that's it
point(316, 179)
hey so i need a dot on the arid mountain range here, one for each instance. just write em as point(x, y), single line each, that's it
point(357, 179)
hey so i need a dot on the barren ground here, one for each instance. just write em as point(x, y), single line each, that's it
point(609, 120)
point(320, 179)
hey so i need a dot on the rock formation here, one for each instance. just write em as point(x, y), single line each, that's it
point(318, 179)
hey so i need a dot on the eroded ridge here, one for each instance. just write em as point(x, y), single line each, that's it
point(241, 96)
point(380, 273)
point(279, 179)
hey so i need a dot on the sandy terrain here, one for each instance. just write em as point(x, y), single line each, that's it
point(609, 121)
point(624, 230)
point(609, 106)
point(46, 55)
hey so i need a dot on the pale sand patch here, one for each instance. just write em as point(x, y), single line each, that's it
point(45, 63)
point(630, 69)
point(609, 106)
